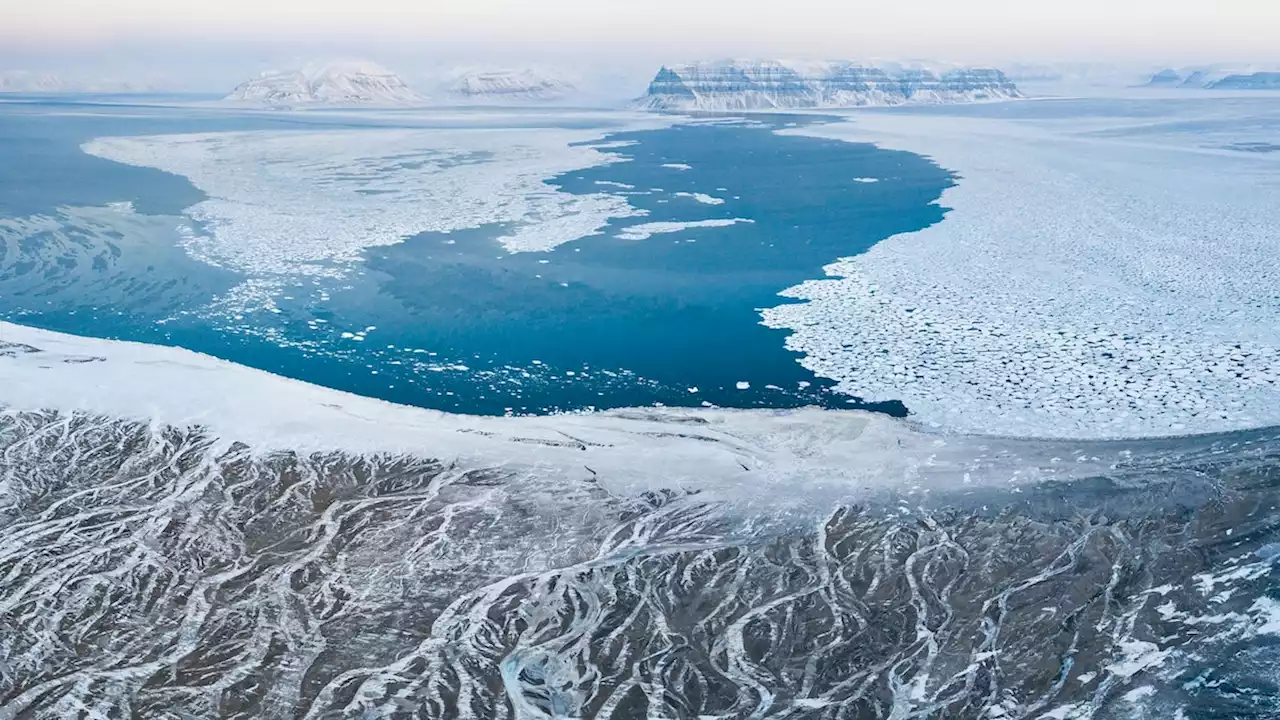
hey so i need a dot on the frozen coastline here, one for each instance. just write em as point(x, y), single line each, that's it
point(1099, 274)
point(181, 533)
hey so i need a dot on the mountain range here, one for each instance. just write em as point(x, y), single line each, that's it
point(24, 81)
point(1221, 76)
point(730, 85)
point(508, 85)
point(338, 83)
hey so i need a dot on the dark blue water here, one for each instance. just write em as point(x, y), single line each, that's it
point(461, 325)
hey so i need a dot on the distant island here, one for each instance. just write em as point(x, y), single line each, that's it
point(508, 85)
point(1221, 76)
point(25, 81)
point(334, 83)
point(772, 84)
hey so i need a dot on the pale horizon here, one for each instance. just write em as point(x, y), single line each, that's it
point(210, 44)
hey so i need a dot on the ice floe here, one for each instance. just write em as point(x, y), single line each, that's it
point(611, 183)
point(309, 202)
point(1087, 283)
point(703, 198)
point(645, 231)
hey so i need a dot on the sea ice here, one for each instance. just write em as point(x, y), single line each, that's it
point(703, 198)
point(102, 252)
point(646, 230)
point(1089, 282)
point(283, 204)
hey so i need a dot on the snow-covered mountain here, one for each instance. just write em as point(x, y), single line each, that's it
point(772, 84)
point(1251, 81)
point(1168, 77)
point(23, 81)
point(343, 83)
point(1077, 75)
point(508, 85)
point(1220, 76)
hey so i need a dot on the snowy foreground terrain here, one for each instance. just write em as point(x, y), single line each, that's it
point(1108, 269)
point(185, 535)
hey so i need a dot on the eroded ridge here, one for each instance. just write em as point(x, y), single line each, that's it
point(154, 571)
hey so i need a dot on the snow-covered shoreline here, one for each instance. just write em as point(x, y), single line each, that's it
point(792, 458)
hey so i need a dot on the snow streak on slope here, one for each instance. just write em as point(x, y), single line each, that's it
point(1096, 279)
point(597, 566)
point(283, 204)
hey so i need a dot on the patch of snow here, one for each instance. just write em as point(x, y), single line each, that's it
point(1267, 613)
point(1137, 656)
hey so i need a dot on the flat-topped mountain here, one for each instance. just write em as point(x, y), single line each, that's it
point(342, 83)
point(508, 85)
point(772, 84)
point(1250, 81)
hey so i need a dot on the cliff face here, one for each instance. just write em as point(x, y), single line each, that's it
point(340, 84)
point(1221, 76)
point(1252, 81)
point(737, 85)
point(1167, 77)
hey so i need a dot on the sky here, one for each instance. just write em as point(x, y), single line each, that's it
point(234, 34)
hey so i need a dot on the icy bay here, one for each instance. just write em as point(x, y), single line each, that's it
point(484, 264)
